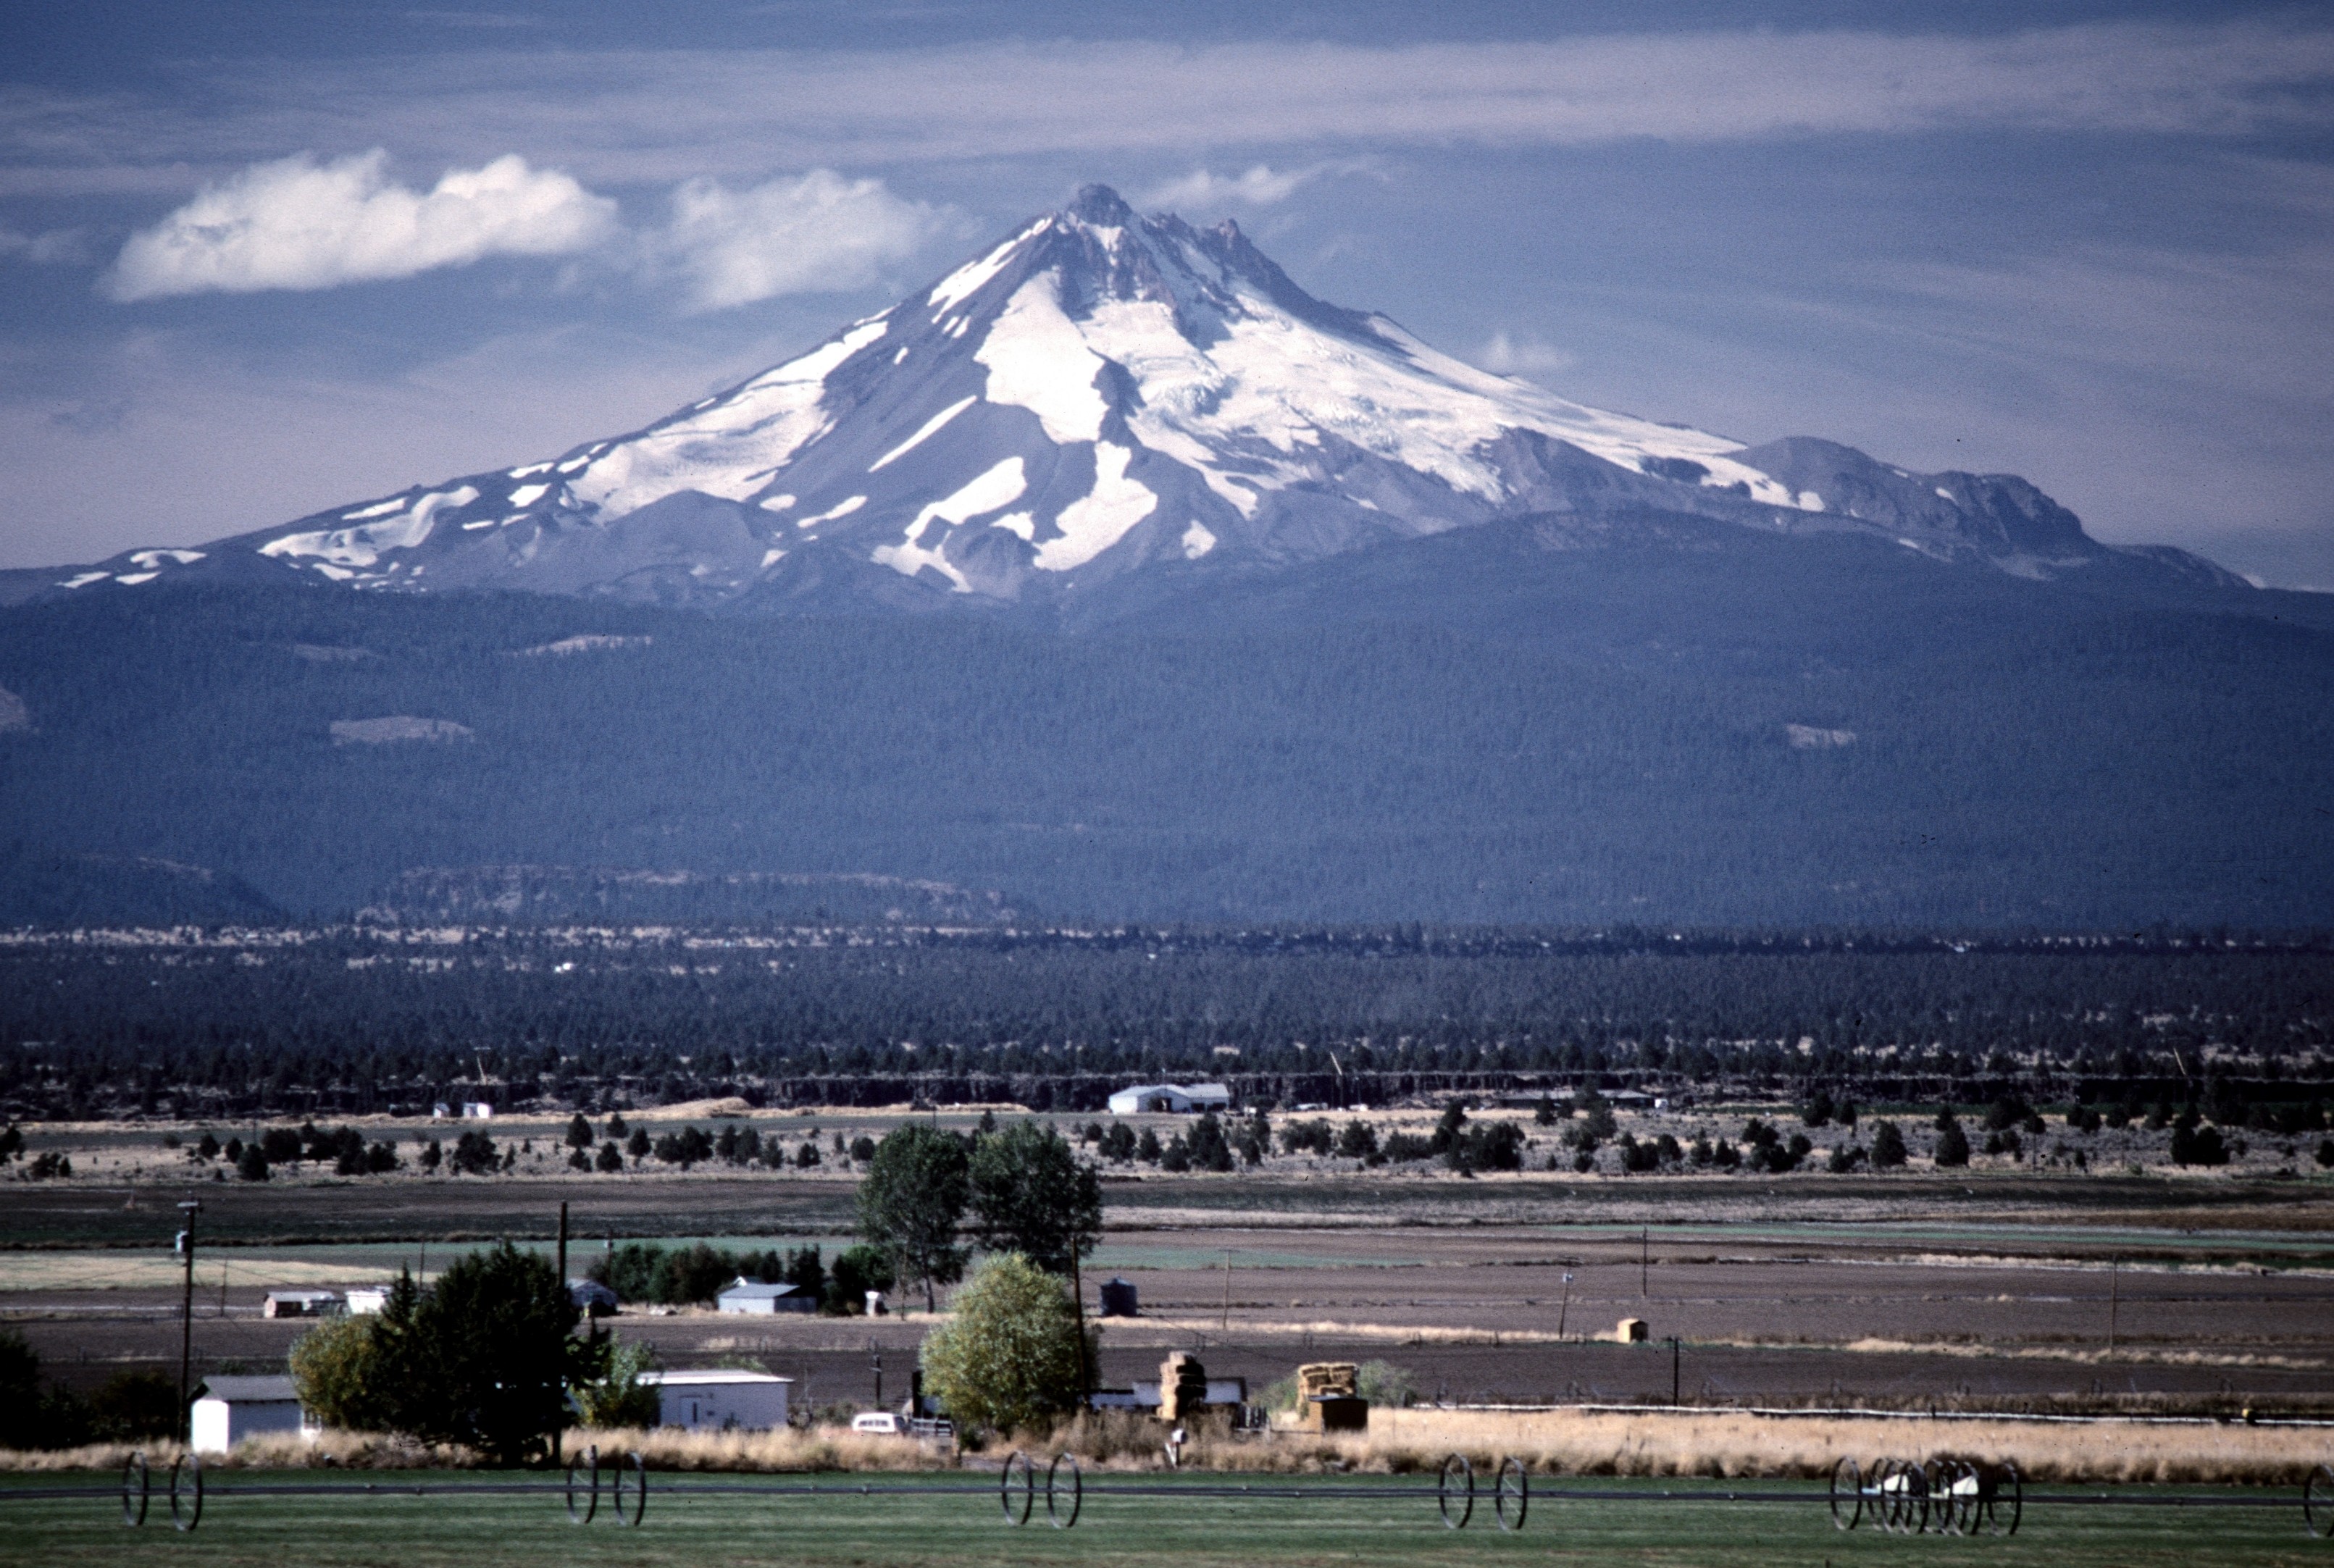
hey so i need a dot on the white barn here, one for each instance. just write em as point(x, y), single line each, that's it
point(719, 1400)
point(233, 1408)
point(758, 1300)
point(1177, 1099)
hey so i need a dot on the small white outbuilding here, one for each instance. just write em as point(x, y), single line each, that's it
point(231, 1409)
point(719, 1400)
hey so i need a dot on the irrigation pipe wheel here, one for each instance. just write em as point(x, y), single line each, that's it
point(1512, 1495)
point(187, 1492)
point(632, 1476)
point(1463, 1490)
point(587, 1462)
point(137, 1488)
point(1018, 1463)
point(1076, 1491)
point(1848, 1487)
point(2002, 1499)
point(2317, 1502)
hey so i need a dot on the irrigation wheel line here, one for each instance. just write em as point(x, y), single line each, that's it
point(1512, 1496)
point(1464, 1492)
point(1018, 1463)
point(1077, 1491)
point(186, 1492)
point(588, 1461)
point(1847, 1484)
point(632, 1465)
point(2317, 1502)
point(137, 1488)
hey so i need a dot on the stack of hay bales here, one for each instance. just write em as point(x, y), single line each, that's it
point(1329, 1398)
point(1182, 1387)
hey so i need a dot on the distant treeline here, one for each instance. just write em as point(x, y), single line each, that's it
point(340, 1023)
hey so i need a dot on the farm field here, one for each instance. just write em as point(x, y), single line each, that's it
point(1942, 1309)
point(1356, 1520)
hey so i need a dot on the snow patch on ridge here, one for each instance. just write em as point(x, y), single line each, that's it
point(931, 427)
point(1037, 360)
point(1093, 524)
point(999, 487)
point(363, 546)
point(728, 449)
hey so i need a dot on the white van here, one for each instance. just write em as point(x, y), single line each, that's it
point(883, 1423)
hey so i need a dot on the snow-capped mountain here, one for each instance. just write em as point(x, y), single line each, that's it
point(1097, 395)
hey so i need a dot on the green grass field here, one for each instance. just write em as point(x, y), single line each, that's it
point(1366, 1522)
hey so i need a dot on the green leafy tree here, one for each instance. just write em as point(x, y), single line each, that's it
point(913, 1200)
point(1031, 1194)
point(20, 1392)
point(857, 1270)
point(497, 1330)
point(1011, 1357)
point(336, 1367)
point(1211, 1149)
point(253, 1166)
point(617, 1398)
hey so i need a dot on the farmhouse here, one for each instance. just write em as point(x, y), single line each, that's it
point(719, 1400)
point(758, 1300)
point(1177, 1099)
point(231, 1409)
point(300, 1303)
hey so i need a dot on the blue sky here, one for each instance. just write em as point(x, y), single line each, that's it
point(257, 259)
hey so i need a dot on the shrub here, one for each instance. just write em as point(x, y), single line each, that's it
point(1816, 1111)
point(1952, 1148)
point(253, 1166)
point(1011, 1356)
point(579, 1133)
point(1887, 1147)
point(2195, 1145)
point(1314, 1137)
point(1843, 1158)
point(1357, 1140)
point(1402, 1148)
point(1383, 1383)
point(2325, 1152)
point(857, 1270)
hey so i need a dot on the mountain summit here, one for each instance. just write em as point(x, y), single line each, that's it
point(1098, 395)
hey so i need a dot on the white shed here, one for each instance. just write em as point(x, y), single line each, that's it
point(759, 1300)
point(233, 1408)
point(364, 1300)
point(719, 1400)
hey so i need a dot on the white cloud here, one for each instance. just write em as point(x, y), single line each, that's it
point(813, 233)
point(1523, 356)
point(295, 224)
point(1202, 190)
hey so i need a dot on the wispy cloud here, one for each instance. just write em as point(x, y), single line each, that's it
point(818, 233)
point(56, 246)
point(296, 224)
point(642, 116)
point(1523, 355)
point(1203, 189)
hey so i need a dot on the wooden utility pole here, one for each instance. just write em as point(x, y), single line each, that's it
point(1644, 1258)
point(1563, 1308)
point(1078, 1296)
point(187, 1317)
point(1227, 1322)
point(1673, 1370)
point(562, 1245)
point(2113, 1265)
